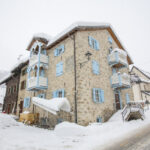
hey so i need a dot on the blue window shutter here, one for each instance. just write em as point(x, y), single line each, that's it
point(24, 103)
point(110, 40)
point(63, 48)
point(63, 93)
point(90, 40)
point(54, 94)
point(127, 98)
point(102, 96)
point(59, 69)
point(97, 45)
point(94, 96)
point(110, 50)
point(95, 67)
point(55, 52)
point(27, 102)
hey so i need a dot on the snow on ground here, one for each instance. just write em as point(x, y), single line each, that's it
point(70, 136)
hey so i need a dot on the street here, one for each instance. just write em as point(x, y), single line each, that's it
point(138, 141)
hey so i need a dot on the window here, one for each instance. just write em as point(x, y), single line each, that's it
point(42, 73)
point(59, 50)
point(15, 88)
point(93, 43)
point(95, 67)
point(99, 119)
point(41, 95)
point(59, 69)
point(23, 85)
point(24, 71)
point(11, 89)
point(26, 103)
point(98, 95)
point(110, 40)
point(43, 52)
point(59, 93)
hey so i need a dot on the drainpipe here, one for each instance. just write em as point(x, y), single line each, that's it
point(75, 81)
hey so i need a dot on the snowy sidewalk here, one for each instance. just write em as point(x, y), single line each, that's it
point(17, 136)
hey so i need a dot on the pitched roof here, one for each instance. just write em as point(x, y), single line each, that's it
point(145, 73)
point(84, 26)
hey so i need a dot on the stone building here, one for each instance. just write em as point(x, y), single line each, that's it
point(88, 65)
point(140, 84)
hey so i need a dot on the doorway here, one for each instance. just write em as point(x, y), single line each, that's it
point(117, 100)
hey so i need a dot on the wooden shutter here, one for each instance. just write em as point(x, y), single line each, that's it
point(55, 52)
point(97, 45)
point(90, 40)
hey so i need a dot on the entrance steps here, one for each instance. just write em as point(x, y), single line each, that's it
point(133, 111)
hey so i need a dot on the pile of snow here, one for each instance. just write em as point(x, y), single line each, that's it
point(69, 129)
point(53, 105)
point(26, 112)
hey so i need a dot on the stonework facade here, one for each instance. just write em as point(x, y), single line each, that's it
point(77, 69)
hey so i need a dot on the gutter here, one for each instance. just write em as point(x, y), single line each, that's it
point(75, 81)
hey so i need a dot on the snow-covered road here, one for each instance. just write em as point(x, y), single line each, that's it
point(17, 136)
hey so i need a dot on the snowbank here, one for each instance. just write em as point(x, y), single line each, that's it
point(69, 129)
point(52, 105)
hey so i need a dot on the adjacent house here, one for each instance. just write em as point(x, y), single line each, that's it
point(81, 75)
point(2, 95)
point(12, 84)
point(140, 84)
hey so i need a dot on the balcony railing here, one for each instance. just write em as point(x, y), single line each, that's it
point(120, 80)
point(118, 58)
point(35, 59)
point(35, 83)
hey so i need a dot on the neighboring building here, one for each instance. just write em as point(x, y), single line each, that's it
point(12, 83)
point(140, 84)
point(2, 93)
point(88, 65)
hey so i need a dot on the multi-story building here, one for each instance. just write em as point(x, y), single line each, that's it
point(140, 84)
point(88, 65)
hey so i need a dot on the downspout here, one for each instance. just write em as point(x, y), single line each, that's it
point(75, 82)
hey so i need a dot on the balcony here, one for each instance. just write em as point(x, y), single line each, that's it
point(35, 59)
point(120, 80)
point(35, 83)
point(118, 58)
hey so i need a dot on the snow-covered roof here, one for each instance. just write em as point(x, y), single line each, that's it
point(42, 35)
point(84, 25)
point(39, 36)
point(136, 78)
point(147, 74)
point(14, 67)
point(53, 105)
point(77, 25)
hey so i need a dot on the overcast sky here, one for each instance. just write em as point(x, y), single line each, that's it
point(20, 19)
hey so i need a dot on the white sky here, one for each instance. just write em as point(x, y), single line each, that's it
point(20, 19)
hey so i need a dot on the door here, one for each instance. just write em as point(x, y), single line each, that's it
point(21, 107)
point(117, 101)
